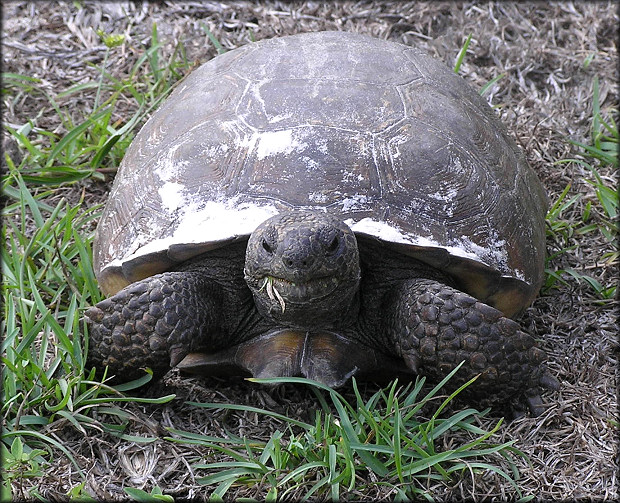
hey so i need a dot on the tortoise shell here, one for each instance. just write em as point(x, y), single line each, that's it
point(377, 132)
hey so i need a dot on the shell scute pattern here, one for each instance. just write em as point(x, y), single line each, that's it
point(376, 132)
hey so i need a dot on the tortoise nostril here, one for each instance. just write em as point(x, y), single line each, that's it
point(297, 262)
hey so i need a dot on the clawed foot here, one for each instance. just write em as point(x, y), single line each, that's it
point(444, 327)
point(152, 323)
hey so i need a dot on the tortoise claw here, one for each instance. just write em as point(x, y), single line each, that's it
point(411, 360)
point(536, 405)
point(94, 314)
point(176, 355)
point(549, 382)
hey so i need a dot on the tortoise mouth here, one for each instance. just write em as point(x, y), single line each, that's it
point(298, 292)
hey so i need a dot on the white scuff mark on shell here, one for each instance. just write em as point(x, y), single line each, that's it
point(279, 118)
point(446, 196)
point(457, 165)
point(495, 256)
point(448, 199)
point(155, 136)
point(213, 221)
point(352, 177)
point(395, 142)
point(496, 249)
point(167, 167)
point(172, 196)
point(317, 197)
point(215, 151)
point(255, 90)
point(388, 232)
point(322, 145)
point(222, 219)
point(277, 142)
point(310, 163)
point(355, 202)
point(243, 136)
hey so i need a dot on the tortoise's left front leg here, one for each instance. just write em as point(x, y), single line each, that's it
point(435, 327)
point(155, 323)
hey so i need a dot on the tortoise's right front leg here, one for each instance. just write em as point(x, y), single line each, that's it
point(154, 323)
point(435, 327)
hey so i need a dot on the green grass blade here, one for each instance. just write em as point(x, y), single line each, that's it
point(461, 55)
point(490, 84)
point(210, 405)
point(46, 440)
point(216, 43)
point(75, 133)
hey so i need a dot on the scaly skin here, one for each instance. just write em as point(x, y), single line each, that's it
point(154, 323)
point(435, 327)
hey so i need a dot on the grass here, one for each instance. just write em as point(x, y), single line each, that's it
point(570, 218)
point(100, 137)
point(47, 273)
point(48, 282)
point(382, 439)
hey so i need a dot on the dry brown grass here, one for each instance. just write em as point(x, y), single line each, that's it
point(545, 98)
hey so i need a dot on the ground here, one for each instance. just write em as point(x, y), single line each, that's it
point(549, 55)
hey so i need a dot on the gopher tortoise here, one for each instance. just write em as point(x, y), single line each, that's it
point(327, 205)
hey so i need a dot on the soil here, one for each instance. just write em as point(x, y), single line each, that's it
point(549, 55)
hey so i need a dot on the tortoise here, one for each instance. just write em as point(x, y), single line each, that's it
point(325, 204)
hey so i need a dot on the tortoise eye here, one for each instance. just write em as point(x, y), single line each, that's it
point(333, 245)
point(269, 239)
point(267, 247)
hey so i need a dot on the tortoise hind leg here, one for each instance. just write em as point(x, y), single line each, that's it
point(153, 323)
point(435, 327)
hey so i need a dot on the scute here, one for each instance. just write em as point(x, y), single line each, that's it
point(374, 131)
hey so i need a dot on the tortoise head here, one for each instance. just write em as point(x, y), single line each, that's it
point(303, 269)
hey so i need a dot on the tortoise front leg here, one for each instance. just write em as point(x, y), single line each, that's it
point(154, 323)
point(435, 327)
